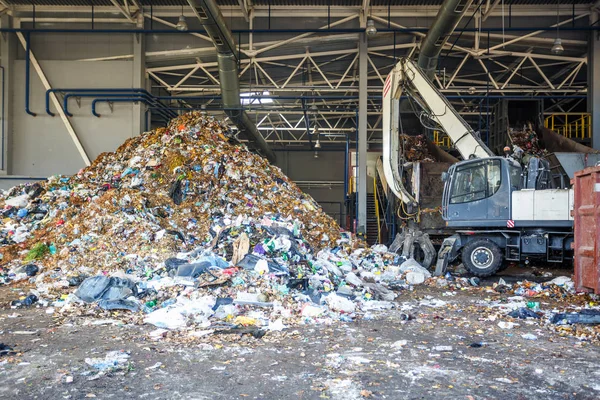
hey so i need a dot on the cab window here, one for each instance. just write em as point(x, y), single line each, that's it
point(475, 182)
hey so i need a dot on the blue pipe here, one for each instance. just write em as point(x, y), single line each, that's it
point(346, 155)
point(3, 122)
point(91, 90)
point(120, 100)
point(150, 100)
point(356, 188)
point(27, 62)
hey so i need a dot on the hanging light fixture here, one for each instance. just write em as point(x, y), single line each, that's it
point(317, 144)
point(557, 47)
point(203, 109)
point(316, 154)
point(371, 30)
point(182, 25)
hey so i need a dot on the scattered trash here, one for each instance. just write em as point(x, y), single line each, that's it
point(529, 336)
point(113, 360)
point(506, 325)
point(524, 313)
point(442, 348)
point(591, 317)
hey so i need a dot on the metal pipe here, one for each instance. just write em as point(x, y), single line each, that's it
point(448, 17)
point(149, 98)
point(211, 18)
point(122, 100)
point(346, 155)
point(303, 30)
point(27, 78)
point(90, 90)
point(3, 121)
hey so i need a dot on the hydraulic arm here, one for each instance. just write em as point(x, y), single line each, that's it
point(409, 80)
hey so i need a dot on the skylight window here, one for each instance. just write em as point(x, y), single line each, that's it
point(250, 98)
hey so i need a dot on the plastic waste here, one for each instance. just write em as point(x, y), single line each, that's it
point(354, 280)
point(591, 317)
point(130, 305)
point(29, 270)
point(506, 325)
point(415, 273)
point(193, 270)
point(166, 318)
point(442, 348)
point(339, 303)
point(18, 201)
point(102, 287)
point(113, 360)
point(524, 313)
point(529, 336)
point(26, 302)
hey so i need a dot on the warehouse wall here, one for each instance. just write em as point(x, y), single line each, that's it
point(326, 173)
point(41, 145)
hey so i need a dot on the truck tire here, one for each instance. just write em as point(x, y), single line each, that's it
point(482, 257)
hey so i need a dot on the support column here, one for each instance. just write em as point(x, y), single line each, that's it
point(593, 67)
point(362, 134)
point(8, 50)
point(139, 78)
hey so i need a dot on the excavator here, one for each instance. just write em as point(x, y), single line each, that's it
point(495, 209)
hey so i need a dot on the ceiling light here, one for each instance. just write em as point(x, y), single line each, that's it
point(472, 90)
point(203, 109)
point(317, 144)
point(557, 48)
point(371, 30)
point(316, 154)
point(182, 26)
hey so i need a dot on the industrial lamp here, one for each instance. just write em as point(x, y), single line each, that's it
point(182, 25)
point(557, 47)
point(317, 144)
point(371, 30)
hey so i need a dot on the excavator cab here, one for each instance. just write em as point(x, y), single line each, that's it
point(477, 193)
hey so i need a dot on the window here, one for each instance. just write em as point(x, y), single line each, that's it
point(515, 177)
point(250, 98)
point(475, 182)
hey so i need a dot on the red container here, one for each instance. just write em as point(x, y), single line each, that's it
point(586, 214)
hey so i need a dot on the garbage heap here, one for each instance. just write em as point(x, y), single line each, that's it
point(415, 148)
point(527, 140)
point(188, 229)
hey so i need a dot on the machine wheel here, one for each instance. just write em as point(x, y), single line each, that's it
point(482, 257)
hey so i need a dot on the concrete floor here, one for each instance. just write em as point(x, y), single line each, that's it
point(362, 359)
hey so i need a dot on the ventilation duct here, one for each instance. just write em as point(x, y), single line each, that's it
point(445, 23)
point(212, 20)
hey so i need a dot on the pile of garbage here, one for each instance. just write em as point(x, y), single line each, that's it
point(526, 139)
point(415, 148)
point(190, 230)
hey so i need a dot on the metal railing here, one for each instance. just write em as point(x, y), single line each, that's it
point(571, 125)
point(441, 139)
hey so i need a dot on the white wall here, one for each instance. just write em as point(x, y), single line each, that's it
point(41, 145)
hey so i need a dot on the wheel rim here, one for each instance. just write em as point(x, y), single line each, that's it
point(482, 257)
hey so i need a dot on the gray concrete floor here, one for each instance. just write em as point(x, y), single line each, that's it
point(362, 359)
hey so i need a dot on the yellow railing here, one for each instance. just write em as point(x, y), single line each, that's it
point(441, 139)
point(571, 125)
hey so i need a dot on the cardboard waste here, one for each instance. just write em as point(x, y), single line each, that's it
point(188, 229)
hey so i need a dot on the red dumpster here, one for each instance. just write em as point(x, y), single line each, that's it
point(586, 215)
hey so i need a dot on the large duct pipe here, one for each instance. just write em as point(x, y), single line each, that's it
point(445, 23)
point(212, 20)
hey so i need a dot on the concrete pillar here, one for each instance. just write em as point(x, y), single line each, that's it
point(362, 134)
point(593, 67)
point(8, 51)
point(139, 78)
